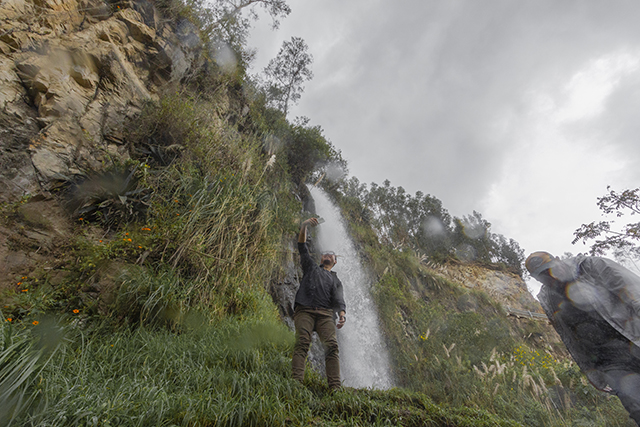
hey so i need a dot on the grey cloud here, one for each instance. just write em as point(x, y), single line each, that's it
point(422, 82)
point(619, 125)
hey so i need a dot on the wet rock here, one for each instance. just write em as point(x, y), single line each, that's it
point(96, 11)
point(17, 175)
point(284, 291)
point(147, 12)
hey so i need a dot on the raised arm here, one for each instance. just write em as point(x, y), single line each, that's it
point(302, 237)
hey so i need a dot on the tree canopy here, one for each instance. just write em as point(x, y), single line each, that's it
point(421, 223)
point(623, 241)
point(287, 72)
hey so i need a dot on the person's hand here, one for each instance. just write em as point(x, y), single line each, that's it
point(341, 322)
point(311, 221)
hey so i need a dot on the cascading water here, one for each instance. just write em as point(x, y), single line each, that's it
point(364, 360)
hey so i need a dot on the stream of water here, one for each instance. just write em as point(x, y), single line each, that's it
point(364, 359)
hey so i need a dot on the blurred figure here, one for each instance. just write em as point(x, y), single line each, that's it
point(594, 305)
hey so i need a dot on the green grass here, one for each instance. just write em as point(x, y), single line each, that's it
point(234, 372)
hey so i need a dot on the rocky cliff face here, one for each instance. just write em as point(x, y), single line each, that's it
point(507, 288)
point(71, 74)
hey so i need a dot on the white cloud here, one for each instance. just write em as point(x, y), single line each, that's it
point(588, 89)
point(554, 173)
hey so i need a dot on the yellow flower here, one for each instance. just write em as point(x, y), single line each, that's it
point(9, 319)
point(76, 311)
point(35, 322)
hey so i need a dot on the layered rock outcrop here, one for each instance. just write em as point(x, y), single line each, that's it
point(507, 288)
point(71, 74)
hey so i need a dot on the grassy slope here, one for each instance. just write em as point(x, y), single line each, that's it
point(231, 373)
point(458, 347)
point(168, 321)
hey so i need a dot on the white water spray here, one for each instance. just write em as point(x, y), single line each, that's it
point(364, 359)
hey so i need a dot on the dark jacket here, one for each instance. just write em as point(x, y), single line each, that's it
point(319, 288)
point(594, 305)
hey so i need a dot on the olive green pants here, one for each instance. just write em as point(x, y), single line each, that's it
point(320, 320)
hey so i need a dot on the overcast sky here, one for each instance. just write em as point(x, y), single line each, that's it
point(522, 110)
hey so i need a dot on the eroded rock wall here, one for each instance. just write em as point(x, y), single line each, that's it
point(71, 74)
point(507, 288)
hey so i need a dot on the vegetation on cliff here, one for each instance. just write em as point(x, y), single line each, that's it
point(456, 344)
point(154, 309)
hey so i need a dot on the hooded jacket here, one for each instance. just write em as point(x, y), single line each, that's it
point(594, 305)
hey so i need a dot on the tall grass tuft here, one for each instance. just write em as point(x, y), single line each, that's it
point(24, 355)
point(219, 236)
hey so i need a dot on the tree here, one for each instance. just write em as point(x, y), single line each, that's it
point(227, 26)
point(422, 224)
point(307, 150)
point(414, 222)
point(622, 241)
point(509, 253)
point(472, 239)
point(287, 72)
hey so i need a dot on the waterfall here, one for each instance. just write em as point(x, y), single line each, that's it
point(364, 359)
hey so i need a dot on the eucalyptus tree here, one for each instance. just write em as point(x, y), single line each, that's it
point(286, 73)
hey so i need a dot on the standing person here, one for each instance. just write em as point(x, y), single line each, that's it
point(319, 295)
point(594, 305)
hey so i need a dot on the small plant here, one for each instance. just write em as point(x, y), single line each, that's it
point(111, 198)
